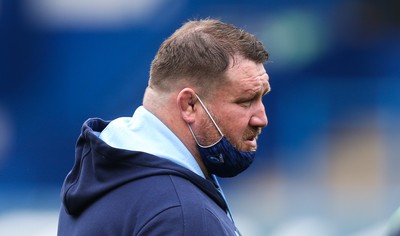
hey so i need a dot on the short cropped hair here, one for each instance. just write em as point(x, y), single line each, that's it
point(200, 53)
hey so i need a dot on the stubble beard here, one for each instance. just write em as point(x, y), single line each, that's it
point(211, 134)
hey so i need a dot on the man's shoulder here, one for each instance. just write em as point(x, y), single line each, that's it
point(153, 205)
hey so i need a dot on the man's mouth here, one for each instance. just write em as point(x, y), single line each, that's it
point(251, 142)
point(250, 139)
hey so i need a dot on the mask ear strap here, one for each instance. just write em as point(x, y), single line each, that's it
point(194, 136)
point(212, 119)
point(195, 139)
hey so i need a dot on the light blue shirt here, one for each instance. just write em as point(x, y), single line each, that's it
point(144, 132)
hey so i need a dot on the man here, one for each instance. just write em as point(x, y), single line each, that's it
point(154, 173)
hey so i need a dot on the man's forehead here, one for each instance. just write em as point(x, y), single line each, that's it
point(251, 77)
point(248, 76)
point(258, 83)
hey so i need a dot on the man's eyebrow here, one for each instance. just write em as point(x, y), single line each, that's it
point(268, 90)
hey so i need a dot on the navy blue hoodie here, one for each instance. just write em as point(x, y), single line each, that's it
point(112, 191)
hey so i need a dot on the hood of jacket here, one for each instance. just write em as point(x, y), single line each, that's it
point(100, 168)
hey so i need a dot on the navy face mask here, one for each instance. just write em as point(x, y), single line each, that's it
point(222, 158)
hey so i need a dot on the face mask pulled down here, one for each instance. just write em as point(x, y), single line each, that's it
point(222, 158)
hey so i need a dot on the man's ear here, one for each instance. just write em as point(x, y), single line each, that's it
point(186, 100)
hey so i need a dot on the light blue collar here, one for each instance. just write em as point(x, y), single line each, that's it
point(144, 132)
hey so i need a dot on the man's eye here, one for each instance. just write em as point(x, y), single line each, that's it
point(246, 103)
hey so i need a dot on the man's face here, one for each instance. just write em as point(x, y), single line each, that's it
point(237, 106)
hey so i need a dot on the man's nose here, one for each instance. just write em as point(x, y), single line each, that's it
point(259, 118)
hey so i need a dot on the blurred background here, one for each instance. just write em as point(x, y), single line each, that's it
point(327, 162)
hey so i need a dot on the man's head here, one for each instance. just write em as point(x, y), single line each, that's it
point(223, 66)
